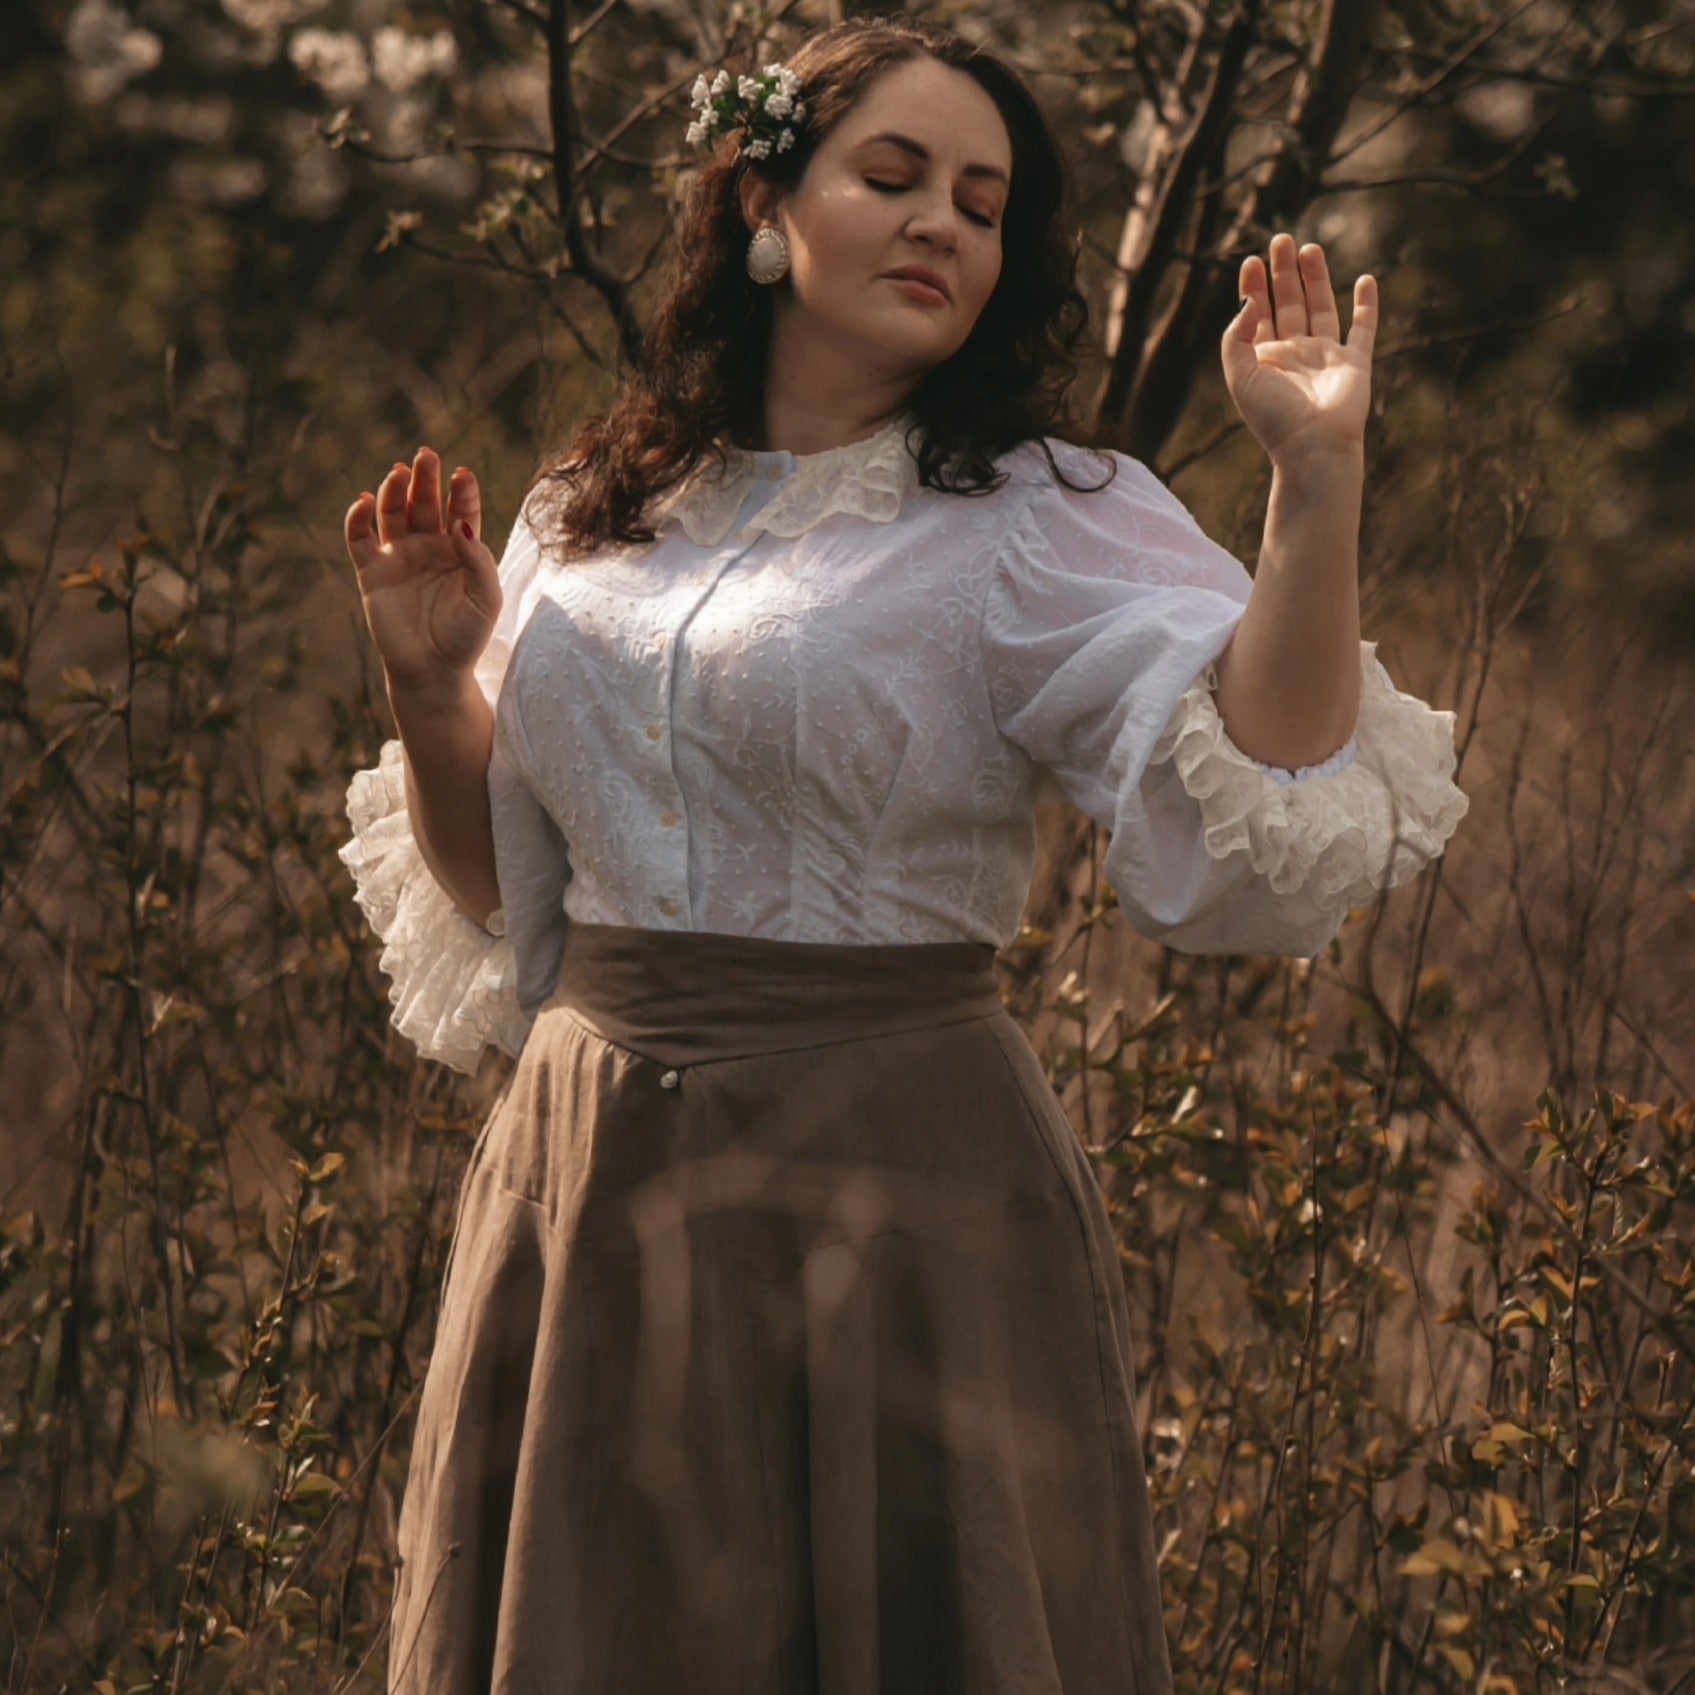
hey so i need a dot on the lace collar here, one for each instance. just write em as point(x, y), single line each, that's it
point(869, 479)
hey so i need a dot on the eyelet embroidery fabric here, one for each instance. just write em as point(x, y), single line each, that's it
point(775, 721)
point(867, 479)
point(1362, 822)
point(451, 982)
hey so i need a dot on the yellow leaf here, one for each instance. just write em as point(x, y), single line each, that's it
point(1509, 1433)
point(328, 1166)
point(1458, 1658)
point(1502, 1516)
point(133, 1481)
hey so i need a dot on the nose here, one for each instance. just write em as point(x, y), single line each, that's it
point(935, 219)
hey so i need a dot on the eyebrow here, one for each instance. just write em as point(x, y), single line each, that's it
point(919, 151)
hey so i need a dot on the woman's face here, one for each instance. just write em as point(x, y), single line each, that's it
point(916, 173)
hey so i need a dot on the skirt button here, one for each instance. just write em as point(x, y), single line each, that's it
point(669, 1080)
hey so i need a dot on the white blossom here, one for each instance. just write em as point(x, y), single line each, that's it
point(748, 88)
point(266, 17)
point(778, 105)
point(401, 59)
point(799, 111)
point(701, 92)
point(757, 149)
point(107, 50)
point(720, 83)
point(333, 59)
point(695, 133)
point(785, 141)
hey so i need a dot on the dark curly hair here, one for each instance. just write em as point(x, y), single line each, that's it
point(699, 378)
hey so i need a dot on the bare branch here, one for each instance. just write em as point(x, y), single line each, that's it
point(562, 114)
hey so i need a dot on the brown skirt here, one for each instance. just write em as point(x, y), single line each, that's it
point(783, 1350)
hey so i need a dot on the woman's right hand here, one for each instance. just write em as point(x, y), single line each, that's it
point(431, 592)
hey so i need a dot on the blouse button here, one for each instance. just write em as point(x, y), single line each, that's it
point(653, 732)
point(667, 818)
point(670, 1080)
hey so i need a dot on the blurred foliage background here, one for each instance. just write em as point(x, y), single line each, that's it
point(1406, 1227)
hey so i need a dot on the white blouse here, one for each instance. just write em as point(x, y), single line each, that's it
point(816, 706)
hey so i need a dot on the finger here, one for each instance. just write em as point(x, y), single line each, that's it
point(479, 565)
point(359, 528)
point(1362, 328)
point(423, 506)
point(1252, 284)
point(391, 505)
point(1287, 298)
point(1322, 316)
point(465, 501)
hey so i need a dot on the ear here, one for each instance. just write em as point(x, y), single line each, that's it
point(759, 200)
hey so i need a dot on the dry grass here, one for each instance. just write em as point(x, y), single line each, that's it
point(1405, 1228)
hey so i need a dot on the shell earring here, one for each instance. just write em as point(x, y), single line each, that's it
point(768, 255)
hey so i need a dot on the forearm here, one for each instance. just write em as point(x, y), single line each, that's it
point(448, 735)
point(1289, 682)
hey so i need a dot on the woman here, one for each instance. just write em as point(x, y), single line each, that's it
point(783, 1345)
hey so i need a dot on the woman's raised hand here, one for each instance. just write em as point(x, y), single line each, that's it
point(431, 589)
point(1300, 388)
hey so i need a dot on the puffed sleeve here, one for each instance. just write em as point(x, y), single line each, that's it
point(1101, 625)
point(454, 984)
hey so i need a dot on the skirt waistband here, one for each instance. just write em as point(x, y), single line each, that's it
point(690, 996)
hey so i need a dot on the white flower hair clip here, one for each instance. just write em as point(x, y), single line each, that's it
point(765, 108)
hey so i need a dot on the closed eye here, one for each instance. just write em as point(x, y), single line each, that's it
point(901, 187)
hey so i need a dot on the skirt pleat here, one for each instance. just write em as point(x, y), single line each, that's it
point(782, 1350)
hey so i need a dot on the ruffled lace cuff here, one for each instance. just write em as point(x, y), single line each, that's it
point(452, 983)
point(1366, 819)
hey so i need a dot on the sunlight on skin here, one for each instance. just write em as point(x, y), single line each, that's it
point(848, 342)
point(1299, 387)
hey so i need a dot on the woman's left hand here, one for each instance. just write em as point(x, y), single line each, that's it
point(1300, 388)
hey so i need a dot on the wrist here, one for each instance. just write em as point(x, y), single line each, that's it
point(432, 695)
point(1327, 465)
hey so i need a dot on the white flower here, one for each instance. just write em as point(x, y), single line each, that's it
point(402, 59)
point(774, 70)
point(700, 93)
point(789, 81)
point(332, 59)
point(799, 111)
point(748, 88)
point(778, 105)
point(720, 83)
point(758, 149)
point(695, 133)
point(108, 50)
point(785, 141)
point(266, 17)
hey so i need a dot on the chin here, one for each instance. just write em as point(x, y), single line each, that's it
point(900, 334)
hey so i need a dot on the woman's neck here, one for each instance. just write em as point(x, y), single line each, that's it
point(822, 392)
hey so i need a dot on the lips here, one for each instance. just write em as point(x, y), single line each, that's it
point(918, 273)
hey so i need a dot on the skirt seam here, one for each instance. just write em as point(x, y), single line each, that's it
point(1098, 1298)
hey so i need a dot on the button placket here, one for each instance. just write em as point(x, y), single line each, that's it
point(669, 817)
